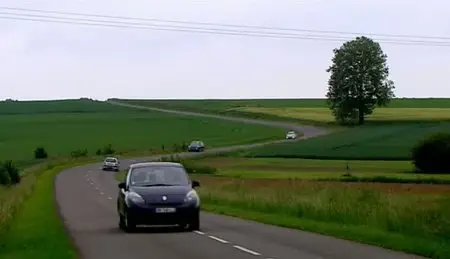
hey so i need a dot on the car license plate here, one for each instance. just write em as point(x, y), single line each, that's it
point(165, 210)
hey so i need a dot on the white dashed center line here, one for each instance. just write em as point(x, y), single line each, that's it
point(243, 249)
point(101, 193)
point(246, 250)
point(219, 239)
point(109, 198)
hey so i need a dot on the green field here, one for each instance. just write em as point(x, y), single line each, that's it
point(57, 106)
point(389, 133)
point(380, 115)
point(318, 170)
point(223, 105)
point(370, 142)
point(257, 108)
point(71, 125)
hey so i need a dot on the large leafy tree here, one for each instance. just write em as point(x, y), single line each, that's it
point(359, 80)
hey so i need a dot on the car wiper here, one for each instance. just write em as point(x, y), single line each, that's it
point(158, 184)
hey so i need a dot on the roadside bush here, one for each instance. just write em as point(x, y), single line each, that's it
point(9, 173)
point(13, 171)
point(106, 150)
point(79, 153)
point(4, 176)
point(40, 153)
point(432, 154)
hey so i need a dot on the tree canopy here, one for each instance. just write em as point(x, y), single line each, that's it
point(359, 80)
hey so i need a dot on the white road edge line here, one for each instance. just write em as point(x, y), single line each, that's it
point(219, 239)
point(246, 250)
point(199, 232)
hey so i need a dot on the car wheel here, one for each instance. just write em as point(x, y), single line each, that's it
point(130, 226)
point(122, 224)
point(195, 222)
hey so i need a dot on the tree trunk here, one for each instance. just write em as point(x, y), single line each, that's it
point(360, 116)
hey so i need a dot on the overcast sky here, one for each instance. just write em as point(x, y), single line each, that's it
point(53, 61)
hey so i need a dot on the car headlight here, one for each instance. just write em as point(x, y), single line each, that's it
point(134, 198)
point(192, 197)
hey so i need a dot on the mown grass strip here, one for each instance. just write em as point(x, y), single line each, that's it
point(36, 230)
point(420, 246)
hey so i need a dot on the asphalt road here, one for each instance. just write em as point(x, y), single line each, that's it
point(86, 197)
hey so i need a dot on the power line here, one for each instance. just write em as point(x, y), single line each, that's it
point(131, 25)
point(157, 28)
point(164, 26)
point(249, 33)
point(223, 24)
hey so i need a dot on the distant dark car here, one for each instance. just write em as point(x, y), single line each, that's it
point(111, 163)
point(158, 193)
point(196, 146)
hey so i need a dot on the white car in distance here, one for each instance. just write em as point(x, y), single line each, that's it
point(291, 135)
point(111, 163)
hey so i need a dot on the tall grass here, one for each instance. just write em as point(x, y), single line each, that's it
point(422, 217)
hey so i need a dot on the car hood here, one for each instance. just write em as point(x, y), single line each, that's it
point(174, 194)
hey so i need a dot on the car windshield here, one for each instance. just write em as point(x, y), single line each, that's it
point(291, 132)
point(158, 175)
point(111, 160)
point(195, 143)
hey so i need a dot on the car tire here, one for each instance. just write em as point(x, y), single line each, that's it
point(122, 222)
point(129, 225)
point(195, 222)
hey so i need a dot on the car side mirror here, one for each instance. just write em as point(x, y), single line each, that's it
point(195, 184)
point(122, 185)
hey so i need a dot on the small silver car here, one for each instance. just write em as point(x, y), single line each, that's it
point(111, 163)
point(291, 135)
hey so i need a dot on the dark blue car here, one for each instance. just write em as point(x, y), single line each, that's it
point(196, 146)
point(158, 193)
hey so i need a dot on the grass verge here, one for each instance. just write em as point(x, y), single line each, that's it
point(362, 234)
point(416, 224)
point(36, 230)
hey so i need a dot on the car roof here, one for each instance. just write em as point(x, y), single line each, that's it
point(146, 164)
point(110, 157)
